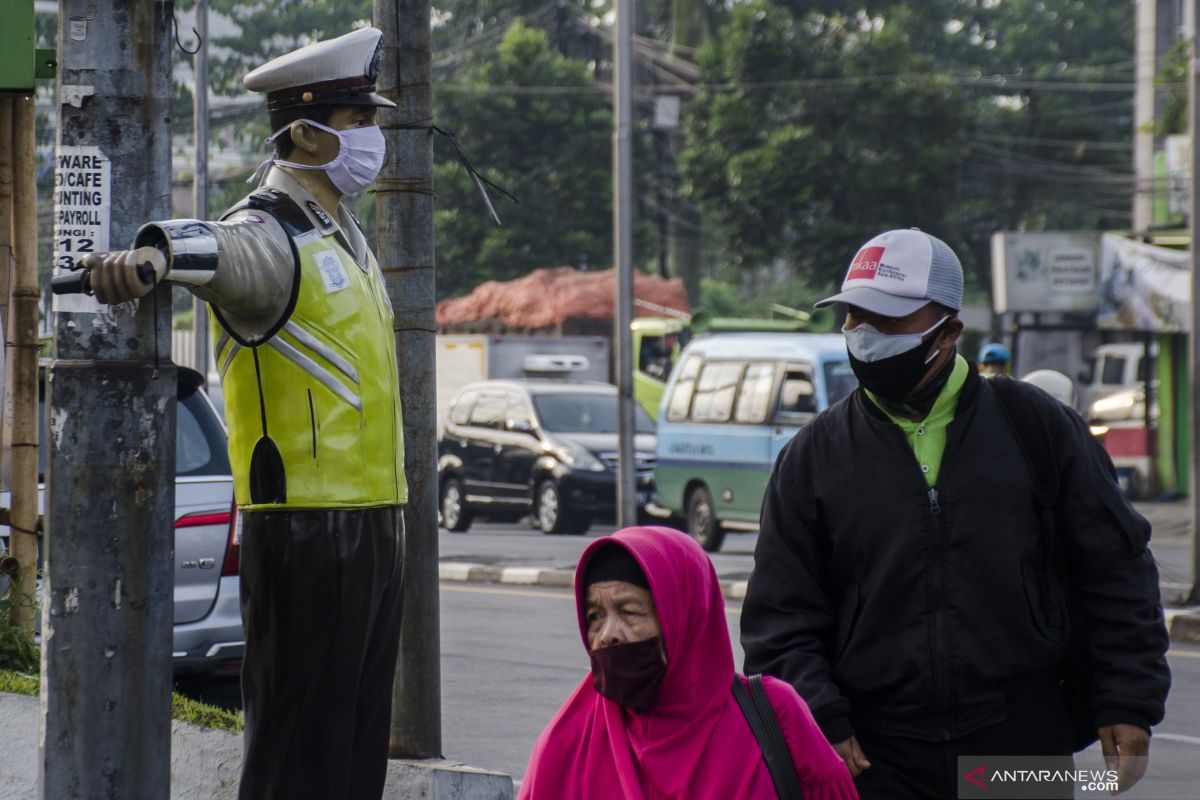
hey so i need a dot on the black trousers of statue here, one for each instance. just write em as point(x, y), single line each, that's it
point(910, 769)
point(321, 604)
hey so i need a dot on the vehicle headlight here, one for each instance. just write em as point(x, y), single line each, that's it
point(1115, 405)
point(578, 456)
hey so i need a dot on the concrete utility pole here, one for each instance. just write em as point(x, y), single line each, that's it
point(404, 224)
point(109, 548)
point(1146, 61)
point(623, 200)
point(1191, 15)
point(200, 177)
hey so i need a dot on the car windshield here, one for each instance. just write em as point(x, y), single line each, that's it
point(585, 413)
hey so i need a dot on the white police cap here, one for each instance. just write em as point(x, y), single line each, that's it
point(339, 71)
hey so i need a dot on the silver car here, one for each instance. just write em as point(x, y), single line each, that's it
point(208, 637)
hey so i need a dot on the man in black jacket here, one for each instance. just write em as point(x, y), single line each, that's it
point(909, 583)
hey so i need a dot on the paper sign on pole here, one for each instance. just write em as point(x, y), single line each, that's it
point(82, 212)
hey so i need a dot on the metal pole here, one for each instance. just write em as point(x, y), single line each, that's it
point(404, 222)
point(105, 728)
point(1190, 17)
point(1143, 114)
point(21, 363)
point(200, 177)
point(623, 254)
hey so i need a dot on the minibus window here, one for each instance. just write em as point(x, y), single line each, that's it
point(754, 400)
point(839, 380)
point(798, 395)
point(1113, 373)
point(715, 391)
point(681, 395)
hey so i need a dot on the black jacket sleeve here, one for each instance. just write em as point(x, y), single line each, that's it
point(788, 618)
point(1113, 581)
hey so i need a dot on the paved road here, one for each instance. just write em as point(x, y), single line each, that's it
point(518, 544)
point(511, 656)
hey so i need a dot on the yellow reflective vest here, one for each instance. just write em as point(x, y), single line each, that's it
point(313, 409)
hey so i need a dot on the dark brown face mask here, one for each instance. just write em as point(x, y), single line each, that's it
point(630, 674)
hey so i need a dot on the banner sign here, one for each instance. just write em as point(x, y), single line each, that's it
point(1054, 272)
point(1143, 287)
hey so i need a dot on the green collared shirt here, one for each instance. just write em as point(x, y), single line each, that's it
point(927, 438)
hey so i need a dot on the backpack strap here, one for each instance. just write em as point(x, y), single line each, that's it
point(764, 725)
point(1029, 426)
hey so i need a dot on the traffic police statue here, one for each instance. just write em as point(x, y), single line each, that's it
point(304, 343)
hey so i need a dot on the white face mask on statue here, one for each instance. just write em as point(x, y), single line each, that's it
point(359, 159)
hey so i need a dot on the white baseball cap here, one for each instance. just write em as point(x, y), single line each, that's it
point(339, 71)
point(900, 271)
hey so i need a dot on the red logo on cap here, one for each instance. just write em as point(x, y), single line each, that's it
point(865, 264)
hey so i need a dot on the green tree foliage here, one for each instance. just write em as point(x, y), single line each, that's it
point(266, 30)
point(820, 123)
point(1054, 154)
point(816, 123)
point(1172, 80)
point(18, 651)
point(797, 145)
point(532, 121)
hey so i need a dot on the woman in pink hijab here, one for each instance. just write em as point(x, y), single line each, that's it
point(656, 719)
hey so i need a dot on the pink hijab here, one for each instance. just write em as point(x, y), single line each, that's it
point(694, 743)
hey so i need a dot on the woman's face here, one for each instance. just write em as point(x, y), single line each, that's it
point(618, 612)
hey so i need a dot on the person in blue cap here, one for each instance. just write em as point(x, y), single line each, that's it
point(994, 359)
point(919, 617)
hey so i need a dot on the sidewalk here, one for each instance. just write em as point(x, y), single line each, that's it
point(205, 764)
point(1171, 543)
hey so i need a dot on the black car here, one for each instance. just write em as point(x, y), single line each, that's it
point(545, 448)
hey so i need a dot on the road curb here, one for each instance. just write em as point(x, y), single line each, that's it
point(1184, 624)
point(467, 572)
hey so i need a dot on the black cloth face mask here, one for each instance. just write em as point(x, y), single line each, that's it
point(630, 674)
point(894, 378)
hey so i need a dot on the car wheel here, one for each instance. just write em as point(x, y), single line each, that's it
point(550, 515)
point(455, 515)
point(702, 524)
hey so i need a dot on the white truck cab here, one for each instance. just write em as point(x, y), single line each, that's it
point(1113, 400)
